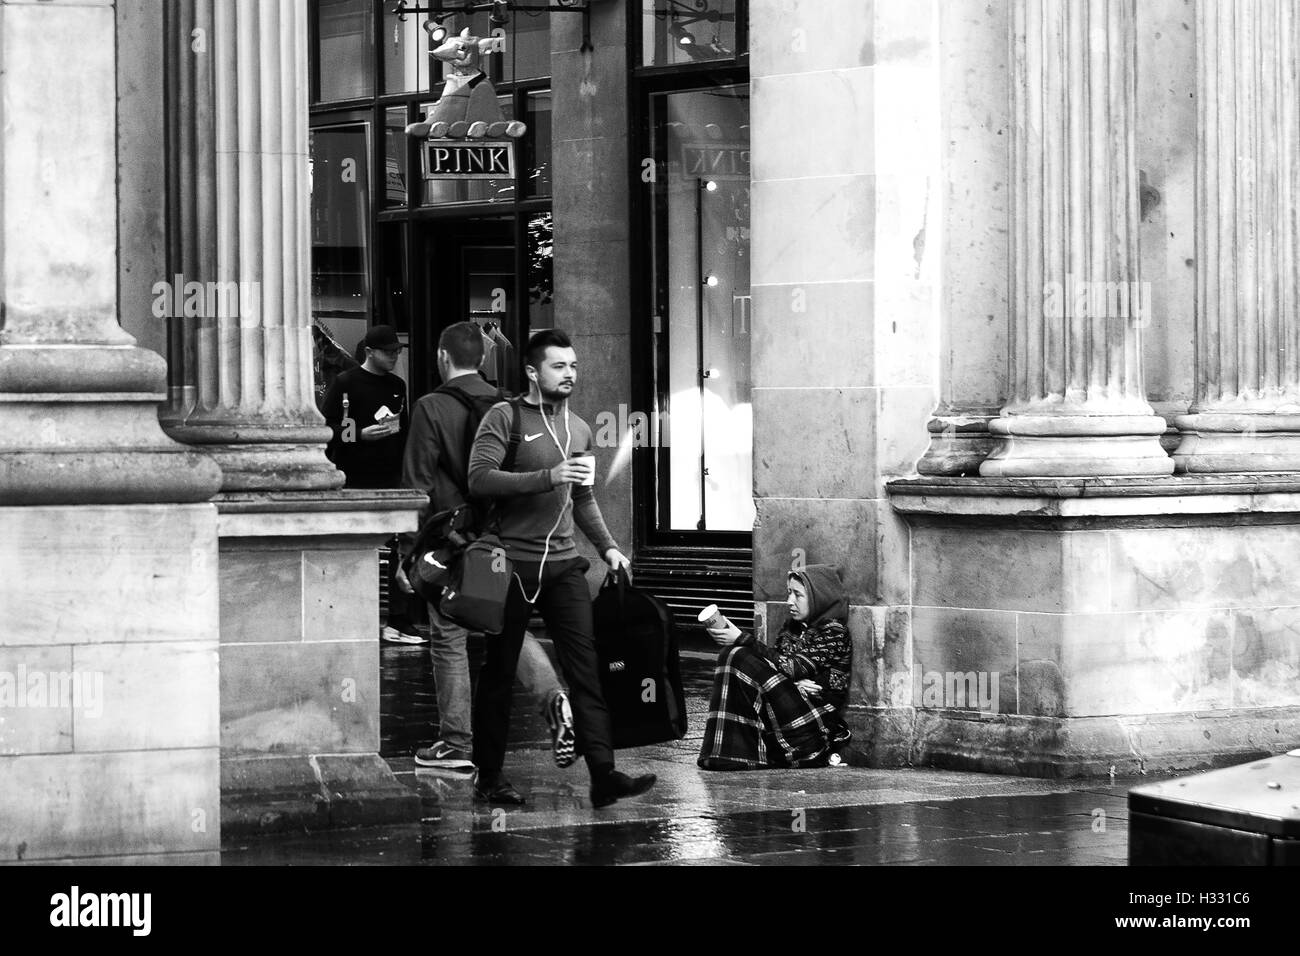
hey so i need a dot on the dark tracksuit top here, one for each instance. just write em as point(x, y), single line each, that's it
point(528, 506)
point(367, 464)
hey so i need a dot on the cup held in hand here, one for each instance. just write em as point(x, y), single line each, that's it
point(711, 617)
point(588, 461)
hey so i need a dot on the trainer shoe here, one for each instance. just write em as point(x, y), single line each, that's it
point(615, 786)
point(393, 636)
point(444, 756)
point(564, 742)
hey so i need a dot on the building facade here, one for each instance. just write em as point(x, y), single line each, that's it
point(991, 304)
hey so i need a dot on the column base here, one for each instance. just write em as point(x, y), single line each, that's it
point(1225, 443)
point(959, 444)
point(1077, 446)
point(260, 456)
point(79, 425)
point(1065, 747)
point(118, 606)
point(300, 698)
point(264, 795)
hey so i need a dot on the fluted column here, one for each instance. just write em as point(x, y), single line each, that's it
point(78, 400)
point(1077, 406)
point(238, 234)
point(1246, 416)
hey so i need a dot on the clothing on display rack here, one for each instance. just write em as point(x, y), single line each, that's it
point(496, 352)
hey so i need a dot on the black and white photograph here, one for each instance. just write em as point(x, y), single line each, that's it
point(642, 433)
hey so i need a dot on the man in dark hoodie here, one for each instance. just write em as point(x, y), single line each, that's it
point(781, 705)
point(537, 505)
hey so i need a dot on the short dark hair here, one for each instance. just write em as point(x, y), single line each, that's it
point(464, 343)
point(539, 342)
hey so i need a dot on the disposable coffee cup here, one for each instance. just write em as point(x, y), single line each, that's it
point(712, 617)
point(588, 461)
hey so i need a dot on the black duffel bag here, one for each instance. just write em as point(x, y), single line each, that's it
point(640, 676)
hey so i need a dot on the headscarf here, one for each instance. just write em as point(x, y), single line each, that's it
point(826, 600)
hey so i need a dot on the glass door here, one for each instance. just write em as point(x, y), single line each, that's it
point(701, 309)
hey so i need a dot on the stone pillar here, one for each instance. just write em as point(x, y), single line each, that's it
point(298, 575)
point(1077, 406)
point(239, 243)
point(845, 317)
point(108, 667)
point(593, 290)
point(1246, 416)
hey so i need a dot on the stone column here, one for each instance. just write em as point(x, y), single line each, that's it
point(1077, 406)
point(239, 244)
point(108, 669)
point(1246, 416)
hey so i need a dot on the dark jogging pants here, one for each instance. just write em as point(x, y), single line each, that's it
point(565, 606)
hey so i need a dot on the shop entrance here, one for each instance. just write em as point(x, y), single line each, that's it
point(471, 275)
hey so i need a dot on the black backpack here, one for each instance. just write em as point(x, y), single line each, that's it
point(640, 676)
point(435, 561)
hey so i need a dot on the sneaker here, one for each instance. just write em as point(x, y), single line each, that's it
point(564, 742)
point(445, 756)
point(393, 636)
point(615, 786)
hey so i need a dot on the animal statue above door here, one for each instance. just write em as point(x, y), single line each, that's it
point(468, 107)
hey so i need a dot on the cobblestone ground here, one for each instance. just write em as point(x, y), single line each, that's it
point(833, 815)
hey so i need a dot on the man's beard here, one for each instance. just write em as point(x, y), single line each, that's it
point(553, 397)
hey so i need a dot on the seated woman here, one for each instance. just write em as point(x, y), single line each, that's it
point(780, 706)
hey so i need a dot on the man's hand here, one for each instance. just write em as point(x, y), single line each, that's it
point(403, 582)
point(807, 687)
point(616, 559)
point(726, 635)
point(568, 472)
point(385, 429)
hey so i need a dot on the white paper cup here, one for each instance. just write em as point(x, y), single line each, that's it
point(588, 461)
point(712, 617)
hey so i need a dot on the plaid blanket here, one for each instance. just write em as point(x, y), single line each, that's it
point(759, 718)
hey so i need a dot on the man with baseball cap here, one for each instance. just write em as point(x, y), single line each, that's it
point(366, 409)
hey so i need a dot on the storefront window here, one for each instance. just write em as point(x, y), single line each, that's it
point(689, 31)
point(405, 47)
point(536, 173)
point(340, 220)
point(541, 272)
point(345, 49)
point(395, 143)
point(701, 305)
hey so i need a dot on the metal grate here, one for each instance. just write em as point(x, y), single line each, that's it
point(687, 580)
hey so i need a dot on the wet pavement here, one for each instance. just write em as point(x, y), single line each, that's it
point(833, 815)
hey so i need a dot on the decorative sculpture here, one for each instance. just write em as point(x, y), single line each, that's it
point(468, 107)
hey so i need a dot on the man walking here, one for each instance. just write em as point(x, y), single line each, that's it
point(536, 506)
point(437, 462)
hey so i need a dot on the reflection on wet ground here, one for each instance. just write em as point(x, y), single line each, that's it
point(806, 817)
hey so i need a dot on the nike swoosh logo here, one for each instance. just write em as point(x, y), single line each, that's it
point(532, 437)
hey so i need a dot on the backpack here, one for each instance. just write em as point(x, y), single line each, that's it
point(455, 563)
point(640, 676)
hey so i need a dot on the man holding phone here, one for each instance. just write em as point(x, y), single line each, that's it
point(366, 410)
